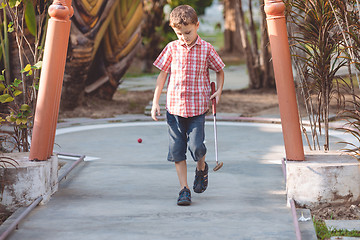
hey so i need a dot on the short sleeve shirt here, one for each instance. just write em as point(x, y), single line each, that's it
point(188, 90)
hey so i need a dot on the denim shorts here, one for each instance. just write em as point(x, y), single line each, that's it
point(186, 133)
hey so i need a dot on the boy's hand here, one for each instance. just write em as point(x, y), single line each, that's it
point(216, 95)
point(219, 84)
point(155, 111)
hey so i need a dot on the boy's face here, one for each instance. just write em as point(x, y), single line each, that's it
point(187, 33)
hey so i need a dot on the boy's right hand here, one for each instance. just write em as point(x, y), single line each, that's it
point(155, 111)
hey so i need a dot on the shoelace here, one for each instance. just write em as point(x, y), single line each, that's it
point(186, 193)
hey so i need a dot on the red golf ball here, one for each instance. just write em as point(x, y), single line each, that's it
point(139, 140)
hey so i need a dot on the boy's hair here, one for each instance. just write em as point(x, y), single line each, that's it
point(183, 15)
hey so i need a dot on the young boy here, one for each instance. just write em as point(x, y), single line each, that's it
point(187, 62)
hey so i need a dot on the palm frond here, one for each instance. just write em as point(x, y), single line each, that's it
point(8, 160)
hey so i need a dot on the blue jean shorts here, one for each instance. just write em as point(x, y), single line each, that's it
point(186, 133)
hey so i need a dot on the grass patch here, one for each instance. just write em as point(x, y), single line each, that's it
point(322, 232)
point(134, 74)
point(134, 105)
point(234, 62)
point(216, 39)
point(122, 91)
point(355, 82)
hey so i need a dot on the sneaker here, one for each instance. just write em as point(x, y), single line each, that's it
point(184, 197)
point(201, 180)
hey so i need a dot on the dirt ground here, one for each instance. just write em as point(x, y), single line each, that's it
point(245, 102)
point(337, 212)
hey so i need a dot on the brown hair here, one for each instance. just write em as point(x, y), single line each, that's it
point(183, 15)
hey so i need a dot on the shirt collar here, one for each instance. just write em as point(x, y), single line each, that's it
point(198, 42)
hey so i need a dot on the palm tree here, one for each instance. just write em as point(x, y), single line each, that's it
point(103, 41)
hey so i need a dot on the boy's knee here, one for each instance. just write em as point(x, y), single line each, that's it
point(197, 151)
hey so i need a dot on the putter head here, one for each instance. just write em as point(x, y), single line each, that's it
point(218, 166)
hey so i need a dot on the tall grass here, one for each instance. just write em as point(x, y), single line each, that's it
point(347, 14)
point(317, 48)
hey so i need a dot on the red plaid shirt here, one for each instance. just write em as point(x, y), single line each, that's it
point(188, 90)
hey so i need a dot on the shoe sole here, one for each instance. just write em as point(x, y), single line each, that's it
point(200, 191)
point(184, 203)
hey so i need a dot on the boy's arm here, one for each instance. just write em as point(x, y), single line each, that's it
point(219, 84)
point(160, 82)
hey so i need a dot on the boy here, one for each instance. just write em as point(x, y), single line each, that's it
point(187, 62)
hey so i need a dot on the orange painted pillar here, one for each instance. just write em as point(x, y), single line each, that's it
point(52, 73)
point(59, 86)
point(284, 79)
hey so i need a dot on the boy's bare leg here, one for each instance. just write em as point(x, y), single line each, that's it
point(181, 169)
point(201, 164)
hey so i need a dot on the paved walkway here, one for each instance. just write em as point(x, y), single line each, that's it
point(127, 190)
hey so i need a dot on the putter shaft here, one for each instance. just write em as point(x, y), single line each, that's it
point(218, 166)
point(215, 136)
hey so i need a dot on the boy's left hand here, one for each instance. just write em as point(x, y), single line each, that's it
point(216, 95)
point(155, 111)
point(219, 84)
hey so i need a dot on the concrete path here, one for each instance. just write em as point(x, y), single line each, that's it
point(130, 190)
point(127, 190)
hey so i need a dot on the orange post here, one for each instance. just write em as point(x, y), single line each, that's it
point(52, 73)
point(285, 86)
point(59, 85)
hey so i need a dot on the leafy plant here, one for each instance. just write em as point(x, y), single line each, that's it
point(318, 55)
point(19, 81)
point(352, 126)
point(347, 13)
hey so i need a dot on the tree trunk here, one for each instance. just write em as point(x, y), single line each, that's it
point(153, 18)
point(253, 33)
point(103, 41)
point(253, 70)
point(265, 55)
point(77, 66)
point(326, 114)
point(232, 30)
point(257, 60)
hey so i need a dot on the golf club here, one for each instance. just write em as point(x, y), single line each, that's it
point(218, 165)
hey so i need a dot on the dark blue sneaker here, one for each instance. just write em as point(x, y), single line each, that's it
point(201, 180)
point(184, 197)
